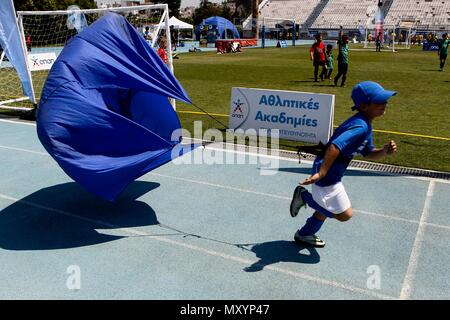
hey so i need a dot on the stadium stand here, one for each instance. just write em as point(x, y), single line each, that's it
point(330, 14)
point(299, 10)
point(344, 13)
point(430, 14)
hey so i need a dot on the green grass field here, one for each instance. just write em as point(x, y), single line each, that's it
point(421, 107)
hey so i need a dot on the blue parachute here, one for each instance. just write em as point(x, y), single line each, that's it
point(104, 114)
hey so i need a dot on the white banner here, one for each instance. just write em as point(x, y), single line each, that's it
point(333, 34)
point(332, 42)
point(299, 116)
point(41, 61)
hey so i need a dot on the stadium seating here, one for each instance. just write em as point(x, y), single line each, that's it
point(299, 10)
point(344, 13)
point(429, 13)
point(330, 14)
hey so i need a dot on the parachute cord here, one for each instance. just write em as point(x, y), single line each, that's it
point(212, 117)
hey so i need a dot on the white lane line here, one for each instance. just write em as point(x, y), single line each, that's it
point(380, 215)
point(417, 246)
point(220, 186)
point(222, 255)
point(265, 153)
point(289, 199)
point(256, 192)
point(19, 122)
point(436, 225)
point(25, 150)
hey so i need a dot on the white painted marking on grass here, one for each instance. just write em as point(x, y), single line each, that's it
point(222, 255)
point(417, 246)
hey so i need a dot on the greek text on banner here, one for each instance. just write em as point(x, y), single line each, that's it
point(300, 116)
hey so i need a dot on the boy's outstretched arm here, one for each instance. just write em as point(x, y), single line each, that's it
point(378, 153)
point(330, 155)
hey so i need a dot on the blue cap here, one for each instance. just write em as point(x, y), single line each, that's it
point(369, 91)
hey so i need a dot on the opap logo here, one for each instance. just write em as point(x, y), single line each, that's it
point(237, 112)
point(239, 108)
point(41, 61)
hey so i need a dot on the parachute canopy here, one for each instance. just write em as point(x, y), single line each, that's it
point(104, 114)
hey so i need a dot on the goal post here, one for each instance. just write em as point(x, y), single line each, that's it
point(394, 37)
point(275, 30)
point(13, 62)
point(44, 34)
point(404, 31)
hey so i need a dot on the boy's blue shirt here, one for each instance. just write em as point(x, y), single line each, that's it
point(351, 137)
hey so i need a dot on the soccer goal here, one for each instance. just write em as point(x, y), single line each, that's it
point(277, 32)
point(394, 37)
point(45, 33)
point(402, 33)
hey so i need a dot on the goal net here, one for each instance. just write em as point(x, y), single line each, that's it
point(45, 33)
point(394, 37)
point(277, 32)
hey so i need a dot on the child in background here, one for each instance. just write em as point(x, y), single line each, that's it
point(330, 60)
point(317, 53)
point(342, 58)
point(443, 51)
point(162, 50)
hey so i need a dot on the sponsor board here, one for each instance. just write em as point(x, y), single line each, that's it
point(299, 116)
point(41, 61)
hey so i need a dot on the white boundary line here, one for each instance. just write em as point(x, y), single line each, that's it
point(289, 199)
point(225, 256)
point(257, 192)
point(417, 246)
point(211, 146)
point(25, 150)
point(19, 122)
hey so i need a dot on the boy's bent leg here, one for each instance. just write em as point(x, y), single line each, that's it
point(344, 216)
point(306, 235)
point(308, 199)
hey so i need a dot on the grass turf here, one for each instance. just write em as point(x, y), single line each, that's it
point(422, 104)
point(420, 107)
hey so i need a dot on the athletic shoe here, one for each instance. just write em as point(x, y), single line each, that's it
point(297, 201)
point(335, 82)
point(312, 240)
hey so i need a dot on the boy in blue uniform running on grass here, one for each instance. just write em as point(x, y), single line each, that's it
point(328, 197)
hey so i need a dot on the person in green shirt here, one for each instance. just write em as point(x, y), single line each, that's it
point(443, 50)
point(342, 58)
point(330, 60)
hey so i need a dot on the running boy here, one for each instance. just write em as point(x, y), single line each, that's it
point(443, 51)
point(328, 197)
point(330, 60)
point(342, 58)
